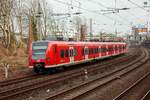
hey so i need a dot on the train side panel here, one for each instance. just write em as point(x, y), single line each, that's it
point(65, 53)
point(78, 56)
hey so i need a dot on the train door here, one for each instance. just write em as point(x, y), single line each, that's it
point(117, 49)
point(71, 54)
point(86, 52)
point(120, 48)
point(107, 50)
point(103, 50)
point(114, 50)
point(100, 53)
point(125, 48)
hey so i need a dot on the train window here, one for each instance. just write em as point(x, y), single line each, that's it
point(110, 49)
point(95, 50)
point(105, 49)
point(92, 51)
point(99, 50)
point(116, 48)
point(102, 50)
point(62, 53)
point(39, 45)
point(71, 53)
point(67, 53)
point(75, 52)
point(86, 51)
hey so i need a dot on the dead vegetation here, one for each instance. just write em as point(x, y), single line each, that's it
point(21, 22)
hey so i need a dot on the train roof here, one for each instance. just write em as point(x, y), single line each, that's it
point(74, 42)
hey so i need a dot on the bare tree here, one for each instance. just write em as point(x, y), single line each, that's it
point(5, 21)
point(77, 22)
point(18, 14)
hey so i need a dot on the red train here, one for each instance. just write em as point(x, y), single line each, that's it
point(51, 54)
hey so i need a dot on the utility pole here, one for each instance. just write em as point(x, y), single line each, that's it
point(91, 31)
point(115, 19)
point(38, 16)
point(147, 4)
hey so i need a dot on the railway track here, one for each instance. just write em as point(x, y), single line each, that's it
point(28, 77)
point(146, 96)
point(33, 76)
point(136, 85)
point(18, 80)
point(129, 92)
point(77, 92)
point(15, 91)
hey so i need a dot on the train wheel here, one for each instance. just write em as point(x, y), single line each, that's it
point(39, 68)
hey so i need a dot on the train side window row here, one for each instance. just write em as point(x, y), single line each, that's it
point(93, 50)
point(68, 53)
point(120, 47)
point(98, 50)
point(86, 51)
point(62, 53)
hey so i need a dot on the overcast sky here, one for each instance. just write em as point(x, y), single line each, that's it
point(136, 15)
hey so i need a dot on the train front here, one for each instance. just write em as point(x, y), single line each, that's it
point(37, 56)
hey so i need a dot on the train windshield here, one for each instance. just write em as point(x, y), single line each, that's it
point(39, 50)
